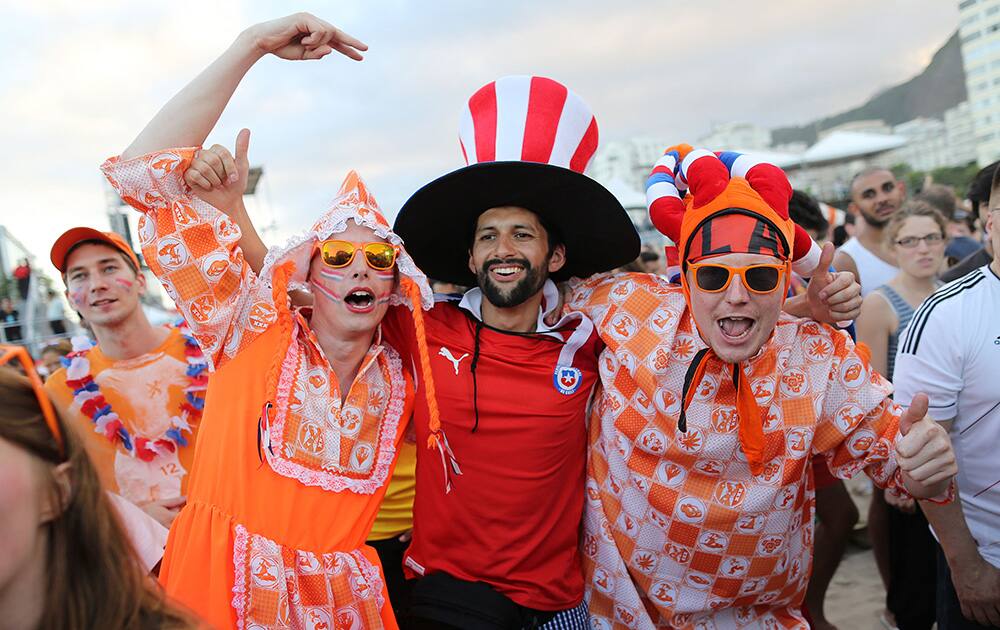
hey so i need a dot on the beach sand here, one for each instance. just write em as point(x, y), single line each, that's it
point(856, 597)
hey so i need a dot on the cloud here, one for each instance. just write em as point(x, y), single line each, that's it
point(81, 97)
point(663, 70)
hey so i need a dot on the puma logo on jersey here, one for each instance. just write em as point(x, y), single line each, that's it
point(446, 353)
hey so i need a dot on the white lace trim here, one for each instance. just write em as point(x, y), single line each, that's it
point(354, 560)
point(371, 574)
point(331, 481)
point(240, 585)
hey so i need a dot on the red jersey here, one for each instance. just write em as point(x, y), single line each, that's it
point(512, 518)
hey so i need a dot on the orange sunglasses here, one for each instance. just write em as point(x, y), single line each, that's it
point(8, 352)
point(760, 279)
point(336, 253)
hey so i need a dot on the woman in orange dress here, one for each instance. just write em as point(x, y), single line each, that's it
point(307, 407)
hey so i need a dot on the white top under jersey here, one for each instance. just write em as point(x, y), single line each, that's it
point(951, 352)
point(873, 272)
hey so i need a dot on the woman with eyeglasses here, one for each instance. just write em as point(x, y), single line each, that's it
point(916, 235)
point(65, 558)
point(307, 407)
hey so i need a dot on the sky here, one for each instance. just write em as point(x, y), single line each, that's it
point(79, 80)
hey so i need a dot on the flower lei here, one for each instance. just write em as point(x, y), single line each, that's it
point(92, 403)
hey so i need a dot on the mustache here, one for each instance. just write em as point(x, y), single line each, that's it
point(496, 262)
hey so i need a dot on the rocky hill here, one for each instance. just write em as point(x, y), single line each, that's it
point(939, 87)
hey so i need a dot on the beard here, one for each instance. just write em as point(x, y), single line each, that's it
point(874, 221)
point(528, 286)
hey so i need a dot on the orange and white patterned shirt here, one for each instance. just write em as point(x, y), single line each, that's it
point(678, 533)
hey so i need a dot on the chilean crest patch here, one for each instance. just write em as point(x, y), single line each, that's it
point(567, 379)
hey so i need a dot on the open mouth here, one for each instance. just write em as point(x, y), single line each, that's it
point(102, 303)
point(736, 329)
point(360, 300)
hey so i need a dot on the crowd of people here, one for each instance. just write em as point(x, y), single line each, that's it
point(570, 431)
point(13, 323)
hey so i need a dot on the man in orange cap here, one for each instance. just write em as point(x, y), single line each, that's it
point(699, 495)
point(136, 395)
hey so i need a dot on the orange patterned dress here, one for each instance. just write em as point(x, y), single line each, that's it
point(289, 472)
point(678, 533)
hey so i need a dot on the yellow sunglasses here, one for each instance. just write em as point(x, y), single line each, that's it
point(379, 256)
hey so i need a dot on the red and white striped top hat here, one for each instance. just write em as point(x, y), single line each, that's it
point(527, 141)
point(532, 119)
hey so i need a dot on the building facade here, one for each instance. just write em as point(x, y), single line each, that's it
point(737, 136)
point(627, 161)
point(979, 29)
point(961, 134)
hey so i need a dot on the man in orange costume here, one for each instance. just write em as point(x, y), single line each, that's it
point(700, 500)
point(308, 406)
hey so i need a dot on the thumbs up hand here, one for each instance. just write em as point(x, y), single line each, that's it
point(833, 296)
point(220, 179)
point(913, 414)
point(924, 452)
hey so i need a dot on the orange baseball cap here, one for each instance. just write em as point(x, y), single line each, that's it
point(72, 236)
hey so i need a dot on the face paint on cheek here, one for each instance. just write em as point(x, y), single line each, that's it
point(327, 293)
point(123, 283)
point(78, 296)
point(385, 275)
point(330, 274)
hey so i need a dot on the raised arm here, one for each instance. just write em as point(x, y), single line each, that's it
point(190, 245)
point(190, 115)
point(219, 178)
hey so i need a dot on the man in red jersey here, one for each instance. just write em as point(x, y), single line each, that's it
point(496, 529)
point(500, 489)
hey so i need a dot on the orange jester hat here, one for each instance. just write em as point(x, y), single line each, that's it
point(712, 204)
